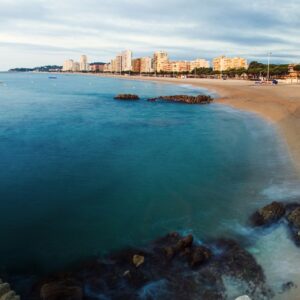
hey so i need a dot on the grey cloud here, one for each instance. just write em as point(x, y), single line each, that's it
point(242, 27)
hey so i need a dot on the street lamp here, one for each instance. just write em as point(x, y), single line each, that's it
point(269, 57)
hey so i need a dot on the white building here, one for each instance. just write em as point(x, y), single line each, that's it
point(126, 60)
point(68, 65)
point(76, 67)
point(146, 65)
point(84, 66)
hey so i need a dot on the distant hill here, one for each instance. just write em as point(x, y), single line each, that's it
point(49, 68)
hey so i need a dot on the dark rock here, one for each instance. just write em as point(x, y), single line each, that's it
point(294, 217)
point(199, 256)
point(287, 286)
point(61, 291)
point(268, 214)
point(127, 97)
point(200, 99)
point(184, 243)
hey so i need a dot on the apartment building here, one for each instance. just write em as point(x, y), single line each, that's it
point(224, 63)
point(160, 59)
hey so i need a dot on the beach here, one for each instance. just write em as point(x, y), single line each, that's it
point(278, 104)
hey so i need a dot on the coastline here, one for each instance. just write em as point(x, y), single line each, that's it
point(277, 104)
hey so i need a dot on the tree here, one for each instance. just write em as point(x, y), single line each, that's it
point(297, 68)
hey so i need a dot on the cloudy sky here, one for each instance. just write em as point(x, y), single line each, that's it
point(40, 32)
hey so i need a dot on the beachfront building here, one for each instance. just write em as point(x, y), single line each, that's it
point(107, 68)
point(224, 63)
point(199, 63)
point(146, 65)
point(76, 66)
point(97, 67)
point(136, 65)
point(180, 66)
point(116, 64)
point(160, 60)
point(126, 61)
point(68, 65)
point(84, 66)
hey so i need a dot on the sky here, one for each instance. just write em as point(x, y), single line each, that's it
point(42, 32)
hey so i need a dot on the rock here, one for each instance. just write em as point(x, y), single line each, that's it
point(200, 99)
point(61, 290)
point(287, 286)
point(268, 214)
point(184, 243)
point(138, 260)
point(170, 252)
point(199, 256)
point(127, 97)
point(294, 217)
point(4, 288)
point(243, 298)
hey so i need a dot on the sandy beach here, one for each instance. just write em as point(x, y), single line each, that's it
point(278, 104)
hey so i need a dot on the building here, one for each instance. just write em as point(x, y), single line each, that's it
point(107, 68)
point(126, 61)
point(68, 65)
point(84, 66)
point(199, 63)
point(97, 67)
point(224, 63)
point(180, 66)
point(160, 59)
point(136, 65)
point(146, 65)
point(76, 67)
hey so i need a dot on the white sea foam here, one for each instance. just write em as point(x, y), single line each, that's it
point(280, 259)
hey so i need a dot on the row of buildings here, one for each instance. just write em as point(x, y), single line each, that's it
point(160, 62)
point(73, 66)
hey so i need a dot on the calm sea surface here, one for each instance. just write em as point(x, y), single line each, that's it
point(83, 174)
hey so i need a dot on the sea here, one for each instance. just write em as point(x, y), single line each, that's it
point(82, 174)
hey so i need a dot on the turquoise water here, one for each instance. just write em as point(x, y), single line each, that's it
point(83, 174)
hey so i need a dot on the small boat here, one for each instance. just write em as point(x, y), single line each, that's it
point(52, 77)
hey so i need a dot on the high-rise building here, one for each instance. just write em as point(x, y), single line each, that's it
point(68, 65)
point(224, 63)
point(126, 60)
point(84, 66)
point(159, 58)
point(199, 63)
point(146, 65)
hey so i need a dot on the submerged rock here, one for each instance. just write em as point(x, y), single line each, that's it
point(269, 214)
point(58, 290)
point(200, 99)
point(245, 297)
point(127, 97)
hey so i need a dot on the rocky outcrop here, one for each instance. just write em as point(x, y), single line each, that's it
point(176, 267)
point(6, 293)
point(293, 218)
point(58, 290)
point(200, 99)
point(127, 97)
point(268, 214)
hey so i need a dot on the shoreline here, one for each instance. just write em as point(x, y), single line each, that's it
point(279, 104)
